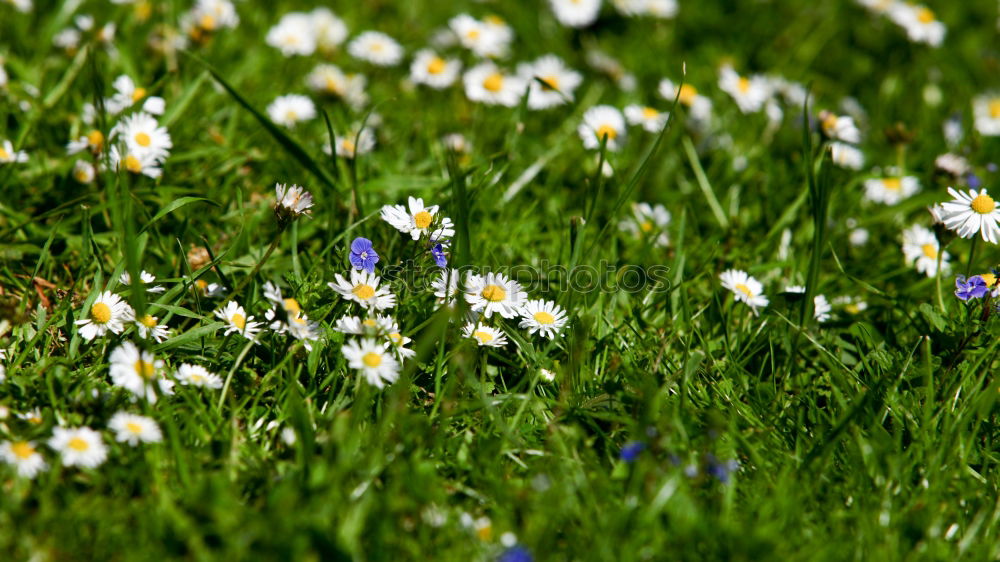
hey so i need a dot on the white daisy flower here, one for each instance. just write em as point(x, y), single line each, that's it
point(286, 316)
point(851, 305)
point(544, 317)
point(92, 141)
point(486, 83)
point(363, 288)
point(23, 6)
point(370, 326)
point(145, 278)
point(148, 327)
point(429, 69)
point(484, 335)
point(24, 457)
point(145, 163)
point(986, 112)
point(373, 360)
point(663, 9)
point(919, 22)
point(79, 446)
point(602, 122)
point(134, 429)
point(353, 143)
point(294, 34)
point(649, 118)
point(480, 37)
point(398, 342)
point(494, 293)
point(209, 290)
point(858, 236)
point(8, 155)
point(330, 30)
point(920, 248)
point(446, 286)
point(846, 156)
point(212, 15)
point(139, 372)
point(576, 13)
point(330, 80)
point(821, 306)
point(34, 417)
point(456, 142)
point(128, 94)
point(699, 106)
point(972, 213)
point(550, 82)
point(840, 128)
point(377, 48)
point(143, 136)
point(291, 109)
point(891, 190)
point(292, 201)
point(418, 220)
point(648, 220)
point(83, 171)
point(750, 94)
point(744, 288)
point(237, 321)
point(953, 164)
point(68, 39)
point(108, 314)
point(196, 375)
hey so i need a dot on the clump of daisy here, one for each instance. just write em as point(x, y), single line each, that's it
point(846, 156)
point(24, 457)
point(921, 249)
point(330, 80)
point(127, 94)
point(134, 429)
point(108, 313)
point(354, 143)
point(971, 213)
point(550, 82)
point(485, 336)
point(92, 141)
point(839, 127)
point(291, 109)
point(699, 106)
point(10, 156)
point(373, 360)
point(79, 446)
point(648, 221)
point(576, 13)
point(329, 29)
point(485, 38)
point(237, 321)
point(376, 48)
point(146, 279)
point(139, 372)
point(291, 202)
point(293, 35)
point(196, 375)
point(919, 22)
point(649, 118)
point(986, 112)
point(745, 288)
point(287, 317)
point(433, 70)
point(207, 17)
point(891, 190)
point(602, 123)
point(545, 318)
point(749, 93)
point(486, 83)
point(363, 288)
point(494, 293)
point(821, 306)
point(418, 220)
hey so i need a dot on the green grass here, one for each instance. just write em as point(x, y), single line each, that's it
point(869, 437)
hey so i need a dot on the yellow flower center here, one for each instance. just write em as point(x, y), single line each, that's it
point(989, 278)
point(396, 338)
point(688, 94)
point(201, 284)
point(423, 219)
point(292, 305)
point(207, 22)
point(95, 139)
point(133, 427)
point(369, 322)
point(372, 359)
point(646, 226)
point(650, 113)
point(494, 293)
point(983, 204)
point(930, 250)
point(78, 444)
point(607, 131)
point(100, 313)
point(551, 82)
point(494, 20)
point(333, 86)
point(291, 115)
point(744, 289)
point(893, 184)
point(436, 65)
point(924, 15)
point(347, 145)
point(81, 175)
point(482, 336)
point(239, 321)
point(143, 139)
point(132, 164)
point(22, 450)
point(4, 155)
point(494, 82)
point(196, 378)
point(472, 34)
point(363, 292)
point(148, 321)
point(995, 108)
point(852, 308)
point(744, 85)
point(543, 317)
point(138, 94)
point(144, 369)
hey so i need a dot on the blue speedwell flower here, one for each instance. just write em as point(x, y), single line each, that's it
point(631, 450)
point(362, 255)
point(720, 469)
point(516, 553)
point(440, 258)
point(973, 288)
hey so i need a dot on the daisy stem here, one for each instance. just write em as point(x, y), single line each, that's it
point(937, 281)
point(256, 268)
point(972, 255)
point(229, 377)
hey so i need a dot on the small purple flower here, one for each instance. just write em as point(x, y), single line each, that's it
point(973, 180)
point(720, 469)
point(630, 452)
point(363, 256)
point(440, 258)
point(516, 553)
point(973, 288)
